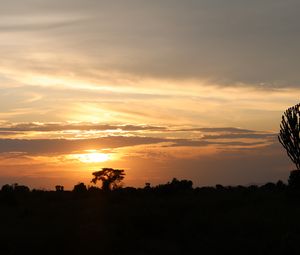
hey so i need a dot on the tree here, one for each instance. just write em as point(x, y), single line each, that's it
point(175, 186)
point(59, 188)
point(80, 187)
point(15, 188)
point(294, 179)
point(289, 135)
point(110, 178)
point(7, 188)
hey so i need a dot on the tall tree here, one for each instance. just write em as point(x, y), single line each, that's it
point(110, 178)
point(289, 135)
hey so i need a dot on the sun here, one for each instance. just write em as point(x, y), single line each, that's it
point(92, 156)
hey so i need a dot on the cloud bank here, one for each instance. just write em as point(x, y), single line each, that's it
point(100, 136)
point(228, 42)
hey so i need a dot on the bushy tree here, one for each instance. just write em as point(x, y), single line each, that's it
point(80, 187)
point(15, 188)
point(175, 186)
point(7, 188)
point(111, 178)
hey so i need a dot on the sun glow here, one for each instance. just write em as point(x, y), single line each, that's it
point(92, 156)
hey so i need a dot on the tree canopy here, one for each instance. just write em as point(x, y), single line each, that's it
point(111, 178)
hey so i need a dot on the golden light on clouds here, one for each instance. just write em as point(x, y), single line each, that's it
point(91, 156)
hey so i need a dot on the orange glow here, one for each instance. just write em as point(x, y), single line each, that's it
point(92, 156)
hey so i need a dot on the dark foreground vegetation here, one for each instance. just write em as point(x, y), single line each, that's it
point(167, 219)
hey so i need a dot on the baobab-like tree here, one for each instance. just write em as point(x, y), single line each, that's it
point(110, 178)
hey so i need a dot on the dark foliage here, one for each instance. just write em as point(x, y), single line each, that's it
point(171, 218)
point(80, 187)
point(175, 186)
point(15, 188)
point(7, 188)
point(294, 179)
point(111, 178)
point(59, 188)
point(94, 189)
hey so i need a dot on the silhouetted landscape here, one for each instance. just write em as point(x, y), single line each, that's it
point(172, 218)
point(149, 127)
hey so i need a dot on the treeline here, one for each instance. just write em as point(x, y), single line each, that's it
point(170, 187)
point(111, 180)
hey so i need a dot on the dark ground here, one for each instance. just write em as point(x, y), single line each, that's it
point(238, 220)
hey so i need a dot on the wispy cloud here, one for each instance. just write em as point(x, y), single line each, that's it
point(133, 135)
point(48, 127)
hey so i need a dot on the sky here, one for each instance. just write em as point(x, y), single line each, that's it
point(189, 89)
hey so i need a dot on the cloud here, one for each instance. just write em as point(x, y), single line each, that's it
point(8, 133)
point(74, 136)
point(223, 129)
point(67, 146)
point(240, 136)
point(15, 24)
point(64, 128)
point(49, 127)
point(64, 146)
point(201, 143)
point(85, 126)
point(229, 133)
point(232, 42)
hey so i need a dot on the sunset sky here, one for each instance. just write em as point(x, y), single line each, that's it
point(191, 89)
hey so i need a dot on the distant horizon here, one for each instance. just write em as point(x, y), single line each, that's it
point(89, 184)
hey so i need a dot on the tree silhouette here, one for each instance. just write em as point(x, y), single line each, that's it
point(7, 188)
point(59, 188)
point(294, 179)
point(289, 135)
point(15, 188)
point(110, 178)
point(80, 187)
